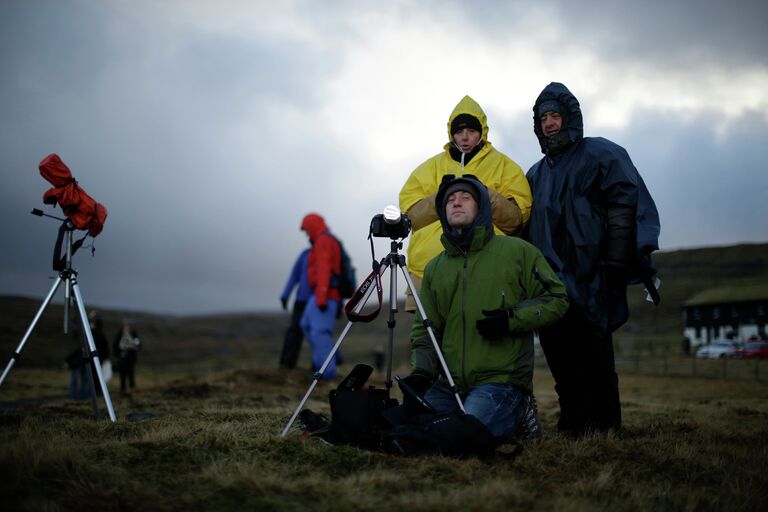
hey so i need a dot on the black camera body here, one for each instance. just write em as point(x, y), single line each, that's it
point(394, 230)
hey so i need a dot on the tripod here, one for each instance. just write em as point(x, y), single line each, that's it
point(359, 300)
point(68, 276)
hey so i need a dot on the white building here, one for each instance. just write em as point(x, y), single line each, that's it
point(733, 312)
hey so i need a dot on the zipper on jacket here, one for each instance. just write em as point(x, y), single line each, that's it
point(464, 316)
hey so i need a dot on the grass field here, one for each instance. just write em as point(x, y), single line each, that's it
point(214, 444)
point(695, 437)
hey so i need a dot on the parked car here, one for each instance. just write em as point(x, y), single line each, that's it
point(719, 349)
point(756, 350)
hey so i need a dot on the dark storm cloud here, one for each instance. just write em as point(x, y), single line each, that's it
point(666, 33)
point(676, 33)
point(208, 142)
point(703, 183)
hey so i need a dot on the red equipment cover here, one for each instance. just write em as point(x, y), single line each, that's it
point(82, 209)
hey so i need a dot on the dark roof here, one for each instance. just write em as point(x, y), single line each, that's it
point(730, 294)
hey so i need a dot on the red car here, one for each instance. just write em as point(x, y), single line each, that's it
point(755, 350)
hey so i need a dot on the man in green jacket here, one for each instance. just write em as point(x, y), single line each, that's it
point(484, 296)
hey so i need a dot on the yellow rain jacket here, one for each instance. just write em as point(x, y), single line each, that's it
point(503, 177)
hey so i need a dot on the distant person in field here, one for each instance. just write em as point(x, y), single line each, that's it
point(299, 280)
point(126, 346)
point(319, 319)
point(78, 383)
point(597, 226)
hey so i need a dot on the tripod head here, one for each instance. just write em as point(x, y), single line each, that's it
point(63, 250)
point(390, 224)
point(62, 260)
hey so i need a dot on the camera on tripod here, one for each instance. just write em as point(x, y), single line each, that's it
point(390, 224)
point(82, 212)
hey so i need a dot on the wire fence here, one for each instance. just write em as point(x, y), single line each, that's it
point(674, 365)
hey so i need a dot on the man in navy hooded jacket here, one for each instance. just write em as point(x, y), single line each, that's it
point(597, 226)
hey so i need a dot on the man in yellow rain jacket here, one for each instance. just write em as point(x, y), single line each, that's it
point(468, 151)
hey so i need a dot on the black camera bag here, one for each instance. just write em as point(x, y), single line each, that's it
point(356, 416)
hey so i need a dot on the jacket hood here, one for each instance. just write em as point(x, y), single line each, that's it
point(468, 106)
point(573, 124)
point(483, 224)
point(314, 225)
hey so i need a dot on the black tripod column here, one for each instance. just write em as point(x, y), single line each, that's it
point(393, 260)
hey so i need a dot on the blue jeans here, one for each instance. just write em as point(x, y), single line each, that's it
point(79, 388)
point(497, 406)
point(318, 328)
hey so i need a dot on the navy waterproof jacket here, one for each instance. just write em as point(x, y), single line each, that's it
point(572, 191)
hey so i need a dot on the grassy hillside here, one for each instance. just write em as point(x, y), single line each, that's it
point(201, 431)
point(253, 340)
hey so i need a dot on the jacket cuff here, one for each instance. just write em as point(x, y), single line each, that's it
point(505, 213)
point(423, 212)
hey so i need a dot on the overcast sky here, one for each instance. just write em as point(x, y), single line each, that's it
point(209, 129)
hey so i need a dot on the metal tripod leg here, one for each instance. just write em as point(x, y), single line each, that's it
point(94, 355)
point(431, 333)
point(330, 357)
point(19, 348)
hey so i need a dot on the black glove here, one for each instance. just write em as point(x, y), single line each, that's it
point(419, 383)
point(284, 302)
point(495, 325)
point(616, 276)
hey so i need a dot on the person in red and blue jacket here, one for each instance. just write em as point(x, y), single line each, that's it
point(319, 318)
point(294, 335)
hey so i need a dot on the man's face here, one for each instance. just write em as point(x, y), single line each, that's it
point(460, 210)
point(551, 122)
point(466, 139)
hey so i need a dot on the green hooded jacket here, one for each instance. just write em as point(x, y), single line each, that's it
point(495, 272)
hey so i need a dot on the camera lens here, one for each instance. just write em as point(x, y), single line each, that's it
point(392, 214)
